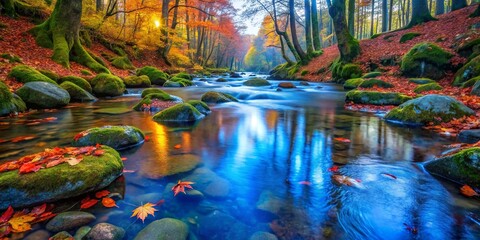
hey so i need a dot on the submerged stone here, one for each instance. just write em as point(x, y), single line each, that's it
point(209, 183)
point(263, 236)
point(166, 228)
point(171, 165)
point(200, 106)
point(118, 137)
point(69, 220)
point(105, 231)
point(60, 182)
point(286, 85)
point(217, 97)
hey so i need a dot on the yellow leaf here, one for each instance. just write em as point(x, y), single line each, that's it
point(21, 223)
point(143, 211)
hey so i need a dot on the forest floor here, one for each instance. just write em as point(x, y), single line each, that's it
point(15, 40)
point(449, 32)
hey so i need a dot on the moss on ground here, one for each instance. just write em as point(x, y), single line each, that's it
point(343, 71)
point(376, 98)
point(427, 87)
point(156, 76)
point(256, 82)
point(122, 62)
point(11, 58)
point(409, 36)
point(24, 74)
point(108, 85)
point(373, 82)
point(217, 97)
point(85, 72)
point(352, 83)
point(372, 75)
point(81, 82)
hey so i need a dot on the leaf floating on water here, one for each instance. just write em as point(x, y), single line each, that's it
point(124, 159)
point(333, 169)
point(178, 146)
point(108, 202)
point(389, 175)
point(102, 194)
point(348, 181)
point(305, 183)
point(180, 187)
point(411, 229)
point(6, 215)
point(343, 140)
point(468, 191)
point(143, 211)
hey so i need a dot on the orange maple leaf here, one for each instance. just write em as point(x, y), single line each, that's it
point(180, 187)
point(343, 140)
point(143, 211)
point(88, 203)
point(468, 191)
point(102, 194)
point(108, 202)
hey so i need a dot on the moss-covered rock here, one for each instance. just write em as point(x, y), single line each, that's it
point(352, 83)
point(430, 108)
point(184, 75)
point(9, 103)
point(462, 167)
point(476, 88)
point(373, 82)
point(85, 72)
point(117, 137)
point(55, 77)
point(182, 112)
point(421, 80)
point(182, 81)
point(221, 80)
point(284, 71)
point(200, 106)
point(107, 85)
point(376, 98)
point(43, 95)
point(77, 94)
point(147, 91)
point(286, 85)
point(156, 76)
point(409, 36)
point(425, 60)
point(467, 72)
point(470, 82)
point(427, 87)
point(25, 74)
point(60, 182)
point(137, 81)
point(160, 97)
point(122, 62)
point(217, 97)
point(169, 83)
point(256, 82)
point(81, 82)
point(372, 75)
point(342, 71)
point(469, 49)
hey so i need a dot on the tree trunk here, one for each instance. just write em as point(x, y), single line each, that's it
point(8, 6)
point(347, 45)
point(390, 16)
point(458, 4)
point(420, 13)
point(351, 17)
point(293, 30)
point(439, 7)
point(315, 27)
point(308, 28)
point(284, 34)
point(384, 16)
point(61, 32)
point(371, 17)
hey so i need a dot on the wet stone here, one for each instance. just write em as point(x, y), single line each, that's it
point(38, 235)
point(61, 236)
point(469, 136)
point(69, 220)
point(82, 232)
point(105, 231)
point(166, 228)
point(269, 203)
point(263, 236)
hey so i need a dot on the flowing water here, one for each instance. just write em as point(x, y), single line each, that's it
point(269, 157)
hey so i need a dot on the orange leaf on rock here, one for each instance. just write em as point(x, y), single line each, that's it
point(143, 211)
point(29, 167)
point(102, 194)
point(468, 191)
point(108, 202)
point(98, 152)
point(21, 222)
point(88, 203)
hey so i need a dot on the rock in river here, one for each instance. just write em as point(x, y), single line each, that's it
point(43, 95)
point(60, 182)
point(118, 137)
point(105, 231)
point(166, 228)
point(69, 220)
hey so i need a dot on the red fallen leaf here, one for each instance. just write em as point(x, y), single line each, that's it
point(178, 146)
point(102, 194)
point(343, 140)
point(159, 203)
point(22, 138)
point(98, 146)
point(80, 135)
point(6, 215)
point(3, 141)
point(468, 191)
point(74, 160)
point(44, 216)
point(98, 152)
point(305, 183)
point(344, 180)
point(88, 203)
point(390, 175)
point(124, 159)
point(147, 138)
point(180, 187)
point(411, 229)
point(108, 202)
point(333, 169)
point(55, 163)
point(38, 210)
point(28, 168)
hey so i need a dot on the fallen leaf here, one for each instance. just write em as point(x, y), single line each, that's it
point(147, 138)
point(55, 163)
point(6, 215)
point(21, 223)
point(143, 211)
point(389, 175)
point(28, 168)
point(38, 210)
point(333, 169)
point(108, 202)
point(98, 152)
point(178, 146)
point(88, 203)
point(74, 160)
point(468, 191)
point(344, 180)
point(102, 194)
point(124, 159)
point(180, 187)
point(343, 140)
point(305, 183)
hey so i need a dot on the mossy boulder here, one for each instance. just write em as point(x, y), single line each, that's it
point(462, 167)
point(182, 81)
point(221, 80)
point(430, 108)
point(10, 103)
point(256, 82)
point(286, 85)
point(137, 81)
point(469, 49)
point(470, 83)
point(467, 72)
point(352, 83)
point(217, 97)
point(421, 80)
point(43, 95)
point(117, 137)
point(77, 94)
point(373, 82)
point(200, 106)
point(122, 62)
point(25, 74)
point(342, 71)
point(182, 112)
point(55, 77)
point(184, 75)
point(376, 98)
point(147, 91)
point(107, 85)
point(172, 84)
point(425, 60)
point(161, 97)
point(409, 36)
point(81, 82)
point(60, 182)
point(427, 87)
point(165, 228)
point(156, 76)
point(372, 75)
point(284, 71)
point(476, 89)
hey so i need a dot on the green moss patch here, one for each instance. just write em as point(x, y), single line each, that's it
point(376, 98)
point(77, 94)
point(470, 82)
point(409, 36)
point(425, 59)
point(108, 85)
point(117, 137)
point(427, 87)
point(256, 82)
point(352, 83)
point(156, 76)
point(184, 76)
point(137, 81)
point(217, 97)
point(343, 71)
point(11, 58)
point(147, 91)
point(25, 74)
point(372, 75)
point(122, 62)
point(200, 106)
point(8, 103)
point(373, 82)
point(81, 82)
point(182, 112)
